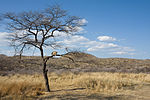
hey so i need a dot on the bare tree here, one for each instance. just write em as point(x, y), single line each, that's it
point(37, 29)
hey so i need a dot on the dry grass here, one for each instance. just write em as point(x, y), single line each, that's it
point(20, 85)
point(88, 83)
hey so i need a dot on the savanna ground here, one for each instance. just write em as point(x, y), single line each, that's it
point(81, 86)
point(88, 78)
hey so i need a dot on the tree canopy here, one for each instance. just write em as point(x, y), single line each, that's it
point(37, 28)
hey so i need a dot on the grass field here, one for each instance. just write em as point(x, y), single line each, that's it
point(81, 86)
point(87, 78)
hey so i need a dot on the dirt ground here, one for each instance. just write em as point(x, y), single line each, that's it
point(142, 93)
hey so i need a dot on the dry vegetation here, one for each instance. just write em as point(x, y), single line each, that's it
point(83, 63)
point(88, 78)
point(100, 83)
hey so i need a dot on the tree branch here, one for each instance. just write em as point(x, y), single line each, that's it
point(63, 55)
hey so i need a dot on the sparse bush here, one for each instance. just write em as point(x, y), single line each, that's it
point(85, 62)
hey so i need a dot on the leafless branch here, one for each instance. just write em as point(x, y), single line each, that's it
point(37, 29)
point(62, 55)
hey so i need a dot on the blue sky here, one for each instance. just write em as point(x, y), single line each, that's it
point(115, 28)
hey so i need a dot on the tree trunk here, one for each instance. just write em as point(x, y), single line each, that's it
point(46, 77)
point(45, 71)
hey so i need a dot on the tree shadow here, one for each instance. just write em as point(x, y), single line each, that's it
point(82, 97)
point(74, 89)
point(72, 96)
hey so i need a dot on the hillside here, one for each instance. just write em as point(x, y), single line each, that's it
point(82, 63)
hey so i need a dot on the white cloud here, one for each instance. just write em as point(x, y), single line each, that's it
point(127, 49)
point(100, 46)
point(77, 41)
point(96, 46)
point(122, 53)
point(119, 52)
point(123, 48)
point(3, 39)
point(90, 43)
point(60, 34)
point(77, 29)
point(106, 38)
point(78, 38)
point(73, 41)
point(82, 22)
point(81, 41)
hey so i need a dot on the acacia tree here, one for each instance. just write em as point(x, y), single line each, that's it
point(37, 29)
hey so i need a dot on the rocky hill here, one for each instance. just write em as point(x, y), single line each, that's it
point(82, 63)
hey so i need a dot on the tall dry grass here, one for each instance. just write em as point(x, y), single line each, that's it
point(111, 82)
point(100, 82)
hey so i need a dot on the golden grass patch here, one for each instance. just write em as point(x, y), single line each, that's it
point(100, 82)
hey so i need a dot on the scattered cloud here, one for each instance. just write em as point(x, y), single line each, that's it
point(127, 49)
point(60, 34)
point(78, 29)
point(122, 53)
point(97, 46)
point(74, 41)
point(100, 46)
point(106, 38)
point(81, 42)
point(82, 22)
point(3, 39)
point(119, 52)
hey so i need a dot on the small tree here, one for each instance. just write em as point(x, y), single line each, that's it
point(37, 29)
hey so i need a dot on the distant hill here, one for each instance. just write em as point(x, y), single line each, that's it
point(2, 55)
point(83, 62)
